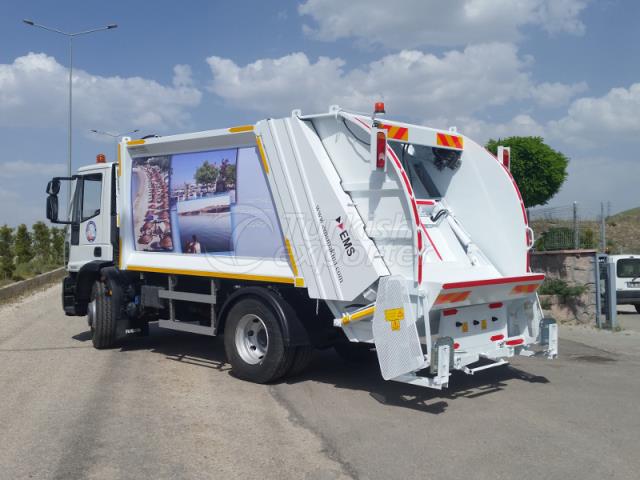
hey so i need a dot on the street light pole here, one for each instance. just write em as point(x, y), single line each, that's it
point(69, 146)
point(70, 36)
point(115, 136)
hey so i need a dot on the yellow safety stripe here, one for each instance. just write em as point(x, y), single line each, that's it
point(132, 143)
point(241, 128)
point(119, 161)
point(201, 273)
point(262, 154)
point(292, 261)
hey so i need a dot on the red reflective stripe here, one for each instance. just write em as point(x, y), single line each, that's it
point(419, 268)
point(406, 182)
point(357, 119)
point(425, 202)
point(495, 338)
point(493, 281)
point(515, 341)
point(495, 305)
point(419, 240)
point(456, 141)
point(449, 311)
point(403, 133)
point(431, 242)
point(415, 212)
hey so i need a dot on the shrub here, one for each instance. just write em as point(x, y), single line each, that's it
point(557, 286)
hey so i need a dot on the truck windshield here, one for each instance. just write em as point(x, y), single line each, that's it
point(418, 159)
point(628, 268)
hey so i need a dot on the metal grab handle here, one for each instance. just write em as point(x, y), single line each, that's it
point(530, 235)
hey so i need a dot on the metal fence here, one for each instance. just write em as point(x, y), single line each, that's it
point(569, 227)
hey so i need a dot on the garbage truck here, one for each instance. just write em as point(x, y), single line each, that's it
point(337, 229)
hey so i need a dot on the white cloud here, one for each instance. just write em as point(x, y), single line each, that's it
point(413, 83)
point(21, 168)
point(273, 85)
point(482, 130)
point(556, 94)
point(413, 23)
point(33, 93)
point(591, 121)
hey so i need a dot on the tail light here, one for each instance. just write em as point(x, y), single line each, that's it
point(504, 156)
point(381, 149)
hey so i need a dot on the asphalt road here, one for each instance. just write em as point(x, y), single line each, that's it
point(166, 406)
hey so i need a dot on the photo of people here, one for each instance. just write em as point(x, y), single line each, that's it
point(151, 215)
point(203, 188)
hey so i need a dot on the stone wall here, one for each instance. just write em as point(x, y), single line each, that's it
point(576, 267)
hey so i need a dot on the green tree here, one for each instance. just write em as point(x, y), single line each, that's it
point(538, 169)
point(57, 245)
point(6, 252)
point(41, 241)
point(22, 244)
point(206, 173)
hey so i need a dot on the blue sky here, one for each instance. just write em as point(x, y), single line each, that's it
point(568, 70)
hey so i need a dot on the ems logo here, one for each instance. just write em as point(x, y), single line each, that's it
point(345, 237)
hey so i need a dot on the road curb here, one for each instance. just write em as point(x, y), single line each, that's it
point(18, 289)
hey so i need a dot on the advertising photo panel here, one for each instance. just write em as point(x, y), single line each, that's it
point(150, 185)
point(203, 188)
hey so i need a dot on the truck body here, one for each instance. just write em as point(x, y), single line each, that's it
point(335, 229)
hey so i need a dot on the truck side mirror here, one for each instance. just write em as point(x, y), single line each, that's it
point(52, 206)
point(53, 187)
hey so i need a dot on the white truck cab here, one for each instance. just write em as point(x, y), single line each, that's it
point(90, 236)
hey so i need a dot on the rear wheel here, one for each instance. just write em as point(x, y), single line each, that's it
point(301, 360)
point(102, 317)
point(637, 308)
point(254, 342)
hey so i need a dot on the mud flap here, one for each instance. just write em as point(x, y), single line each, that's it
point(394, 330)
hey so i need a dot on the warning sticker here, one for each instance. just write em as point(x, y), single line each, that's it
point(393, 316)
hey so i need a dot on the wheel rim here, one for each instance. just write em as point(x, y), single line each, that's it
point(91, 313)
point(252, 339)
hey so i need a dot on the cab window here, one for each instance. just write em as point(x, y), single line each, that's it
point(91, 196)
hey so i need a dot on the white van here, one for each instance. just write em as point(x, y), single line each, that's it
point(628, 280)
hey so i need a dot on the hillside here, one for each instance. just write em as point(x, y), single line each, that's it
point(623, 231)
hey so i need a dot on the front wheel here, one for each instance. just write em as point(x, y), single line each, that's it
point(254, 342)
point(102, 317)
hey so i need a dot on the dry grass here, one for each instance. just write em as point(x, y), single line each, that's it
point(623, 231)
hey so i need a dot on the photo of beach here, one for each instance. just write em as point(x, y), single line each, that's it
point(203, 188)
point(151, 207)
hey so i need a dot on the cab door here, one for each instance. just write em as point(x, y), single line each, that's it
point(90, 235)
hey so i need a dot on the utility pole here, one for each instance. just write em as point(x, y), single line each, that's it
point(603, 232)
point(576, 230)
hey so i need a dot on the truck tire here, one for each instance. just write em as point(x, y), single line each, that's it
point(637, 308)
point(301, 360)
point(102, 318)
point(254, 342)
